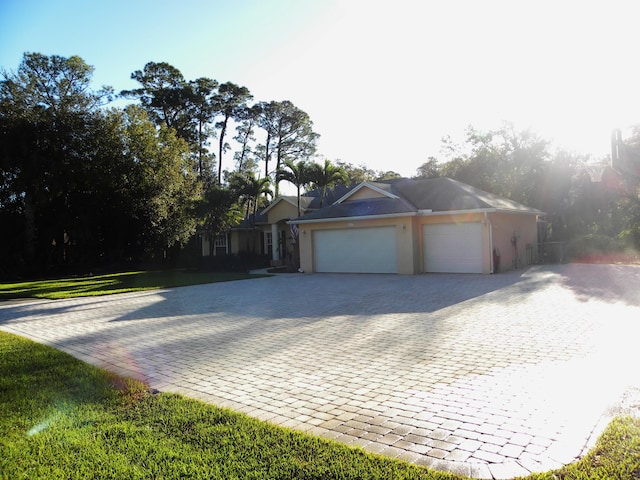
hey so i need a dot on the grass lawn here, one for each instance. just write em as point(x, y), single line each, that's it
point(113, 283)
point(62, 418)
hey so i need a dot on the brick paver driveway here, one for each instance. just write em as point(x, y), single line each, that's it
point(488, 376)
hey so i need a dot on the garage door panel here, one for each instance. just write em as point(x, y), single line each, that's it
point(453, 248)
point(356, 250)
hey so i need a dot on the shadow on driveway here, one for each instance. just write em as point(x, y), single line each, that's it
point(610, 283)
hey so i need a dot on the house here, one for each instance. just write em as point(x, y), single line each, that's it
point(412, 226)
point(256, 233)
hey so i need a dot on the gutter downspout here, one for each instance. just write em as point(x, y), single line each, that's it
point(486, 217)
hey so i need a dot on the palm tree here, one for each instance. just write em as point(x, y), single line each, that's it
point(297, 173)
point(325, 176)
point(250, 189)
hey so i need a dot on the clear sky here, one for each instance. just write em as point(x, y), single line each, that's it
point(383, 81)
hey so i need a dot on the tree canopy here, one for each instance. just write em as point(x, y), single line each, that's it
point(87, 184)
point(579, 197)
point(81, 183)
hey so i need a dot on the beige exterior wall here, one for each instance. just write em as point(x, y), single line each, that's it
point(279, 215)
point(282, 211)
point(364, 193)
point(504, 226)
point(409, 238)
point(247, 241)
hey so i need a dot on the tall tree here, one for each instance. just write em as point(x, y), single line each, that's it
point(290, 134)
point(357, 174)
point(627, 185)
point(268, 121)
point(202, 109)
point(166, 96)
point(46, 107)
point(230, 103)
point(430, 169)
point(388, 175)
point(245, 157)
point(504, 161)
point(189, 107)
point(165, 182)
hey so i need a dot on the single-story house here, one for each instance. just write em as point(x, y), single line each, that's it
point(409, 226)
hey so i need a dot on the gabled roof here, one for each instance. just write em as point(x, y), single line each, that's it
point(332, 195)
point(429, 196)
point(311, 200)
point(381, 188)
point(282, 198)
point(444, 194)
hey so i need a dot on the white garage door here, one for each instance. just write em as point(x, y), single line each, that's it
point(453, 247)
point(356, 250)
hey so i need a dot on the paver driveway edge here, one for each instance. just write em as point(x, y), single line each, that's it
point(479, 375)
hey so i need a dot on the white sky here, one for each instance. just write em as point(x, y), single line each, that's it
point(383, 82)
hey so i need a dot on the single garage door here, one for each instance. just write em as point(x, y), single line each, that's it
point(356, 250)
point(453, 247)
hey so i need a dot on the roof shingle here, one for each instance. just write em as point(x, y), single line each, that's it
point(430, 194)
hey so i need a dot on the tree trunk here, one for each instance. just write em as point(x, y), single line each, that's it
point(266, 155)
point(223, 130)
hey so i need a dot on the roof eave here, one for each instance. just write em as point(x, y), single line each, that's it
point(481, 210)
point(423, 213)
point(354, 219)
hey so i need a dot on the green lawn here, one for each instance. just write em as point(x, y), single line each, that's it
point(113, 283)
point(62, 418)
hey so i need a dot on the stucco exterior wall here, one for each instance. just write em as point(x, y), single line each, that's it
point(282, 211)
point(364, 193)
point(499, 227)
point(524, 227)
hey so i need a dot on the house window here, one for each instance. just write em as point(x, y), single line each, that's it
point(221, 245)
point(268, 243)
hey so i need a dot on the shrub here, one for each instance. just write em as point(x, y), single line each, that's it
point(593, 248)
point(240, 262)
point(631, 237)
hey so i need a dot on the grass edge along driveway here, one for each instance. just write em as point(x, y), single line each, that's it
point(114, 283)
point(63, 418)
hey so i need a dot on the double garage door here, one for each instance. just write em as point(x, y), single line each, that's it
point(356, 250)
point(454, 248)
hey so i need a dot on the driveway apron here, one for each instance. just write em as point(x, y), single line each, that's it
point(486, 376)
